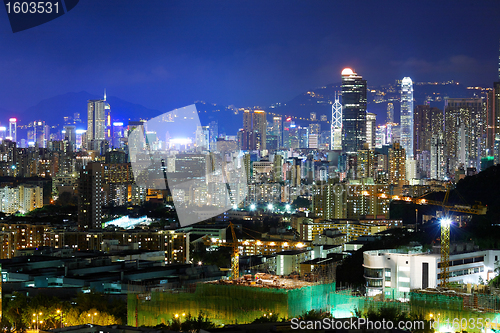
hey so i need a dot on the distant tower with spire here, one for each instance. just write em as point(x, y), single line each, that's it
point(336, 132)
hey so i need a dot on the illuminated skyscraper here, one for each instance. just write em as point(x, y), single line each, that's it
point(336, 133)
point(117, 134)
point(13, 129)
point(371, 123)
point(464, 134)
point(407, 116)
point(97, 111)
point(353, 111)
point(278, 130)
point(254, 130)
point(390, 113)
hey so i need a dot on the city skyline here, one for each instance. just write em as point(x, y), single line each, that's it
point(229, 64)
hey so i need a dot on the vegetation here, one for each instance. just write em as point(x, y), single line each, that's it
point(21, 312)
point(188, 324)
point(391, 313)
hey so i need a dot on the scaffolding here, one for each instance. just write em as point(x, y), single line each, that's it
point(226, 303)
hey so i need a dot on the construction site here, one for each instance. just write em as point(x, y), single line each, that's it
point(236, 301)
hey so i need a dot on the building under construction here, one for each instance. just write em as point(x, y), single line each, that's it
point(229, 302)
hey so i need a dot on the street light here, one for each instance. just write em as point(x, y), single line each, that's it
point(36, 320)
point(252, 207)
point(59, 312)
point(270, 206)
point(94, 314)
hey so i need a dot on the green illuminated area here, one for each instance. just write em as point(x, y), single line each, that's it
point(227, 304)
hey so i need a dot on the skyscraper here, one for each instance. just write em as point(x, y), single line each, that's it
point(465, 126)
point(427, 122)
point(390, 112)
point(371, 123)
point(254, 130)
point(353, 111)
point(407, 116)
point(96, 122)
point(13, 129)
point(259, 129)
point(397, 165)
point(336, 133)
point(278, 130)
point(90, 196)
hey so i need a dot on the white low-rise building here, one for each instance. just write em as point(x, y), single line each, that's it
point(405, 269)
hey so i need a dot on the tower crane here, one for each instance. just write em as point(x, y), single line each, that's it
point(477, 209)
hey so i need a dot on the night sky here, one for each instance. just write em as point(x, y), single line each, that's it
point(167, 54)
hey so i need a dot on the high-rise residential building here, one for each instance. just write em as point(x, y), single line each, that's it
point(312, 116)
point(96, 122)
point(390, 112)
point(437, 157)
point(371, 133)
point(397, 165)
point(254, 130)
point(13, 129)
point(259, 129)
point(406, 136)
point(336, 130)
point(353, 111)
point(465, 132)
point(428, 121)
point(90, 196)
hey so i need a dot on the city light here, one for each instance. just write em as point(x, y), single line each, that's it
point(252, 207)
point(287, 207)
point(270, 206)
point(445, 221)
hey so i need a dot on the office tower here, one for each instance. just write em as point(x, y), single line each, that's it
point(397, 165)
point(353, 111)
point(437, 157)
point(312, 116)
point(336, 130)
point(90, 196)
point(278, 130)
point(427, 122)
point(464, 133)
point(407, 116)
point(39, 133)
point(381, 136)
point(247, 130)
point(117, 134)
point(13, 129)
point(70, 135)
point(213, 127)
point(97, 111)
point(323, 117)
point(202, 138)
point(286, 132)
point(371, 123)
point(390, 113)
